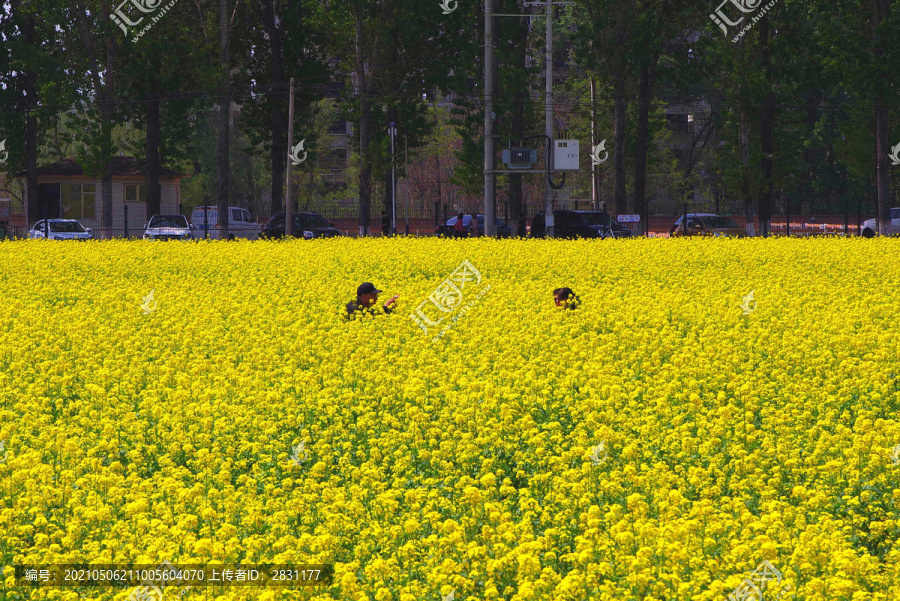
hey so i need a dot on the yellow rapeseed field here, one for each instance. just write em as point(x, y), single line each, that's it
point(658, 443)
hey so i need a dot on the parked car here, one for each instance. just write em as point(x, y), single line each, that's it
point(870, 226)
point(60, 229)
point(503, 230)
point(707, 224)
point(579, 224)
point(241, 224)
point(167, 227)
point(306, 225)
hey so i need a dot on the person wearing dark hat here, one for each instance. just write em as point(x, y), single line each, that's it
point(565, 297)
point(366, 297)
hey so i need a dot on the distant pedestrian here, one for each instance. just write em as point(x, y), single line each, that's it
point(473, 224)
point(565, 297)
point(523, 226)
point(459, 228)
point(385, 224)
point(366, 297)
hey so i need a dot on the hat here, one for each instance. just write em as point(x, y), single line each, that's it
point(366, 288)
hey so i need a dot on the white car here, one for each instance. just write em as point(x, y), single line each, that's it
point(870, 226)
point(167, 227)
point(60, 229)
point(241, 224)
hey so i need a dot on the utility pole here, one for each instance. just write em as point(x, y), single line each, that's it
point(392, 130)
point(595, 193)
point(489, 176)
point(289, 192)
point(548, 124)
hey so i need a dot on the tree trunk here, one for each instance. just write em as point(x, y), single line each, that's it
point(882, 181)
point(365, 116)
point(154, 200)
point(642, 143)
point(31, 132)
point(880, 9)
point(107, 110)
point(620, 109)
point(810, 154)
point(745, 180)
point(620, 143)
point(437, 179)
point(104, 90)
point(277, 115)
point(767, 124)
point(222, 162)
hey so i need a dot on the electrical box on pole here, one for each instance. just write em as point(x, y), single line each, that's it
point(519, 158)
point(565, 155)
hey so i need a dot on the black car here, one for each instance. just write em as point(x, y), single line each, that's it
point(306, 225)
point(580, 224)
point(503, 230)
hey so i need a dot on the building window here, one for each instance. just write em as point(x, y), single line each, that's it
point(77, 201)
point(338, 128)
point(135, 192)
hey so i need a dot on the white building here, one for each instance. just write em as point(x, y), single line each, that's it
point(64, 191)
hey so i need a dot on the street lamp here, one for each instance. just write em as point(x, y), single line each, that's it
point(392, 130)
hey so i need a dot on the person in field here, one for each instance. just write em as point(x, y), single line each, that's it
point(474, 225)
point(565, 297)
point(459, 228)
point(366, 297)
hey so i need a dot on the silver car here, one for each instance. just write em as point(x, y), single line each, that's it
point(59, 229)
point(167, 227)
point(870, 226)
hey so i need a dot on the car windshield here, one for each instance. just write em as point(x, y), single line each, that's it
point(66, 227)
point(497, 221)
point(601, 219)
point(306, 220)
point(168, 221)
point(719, 222)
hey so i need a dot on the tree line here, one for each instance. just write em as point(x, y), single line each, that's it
point(794, 103)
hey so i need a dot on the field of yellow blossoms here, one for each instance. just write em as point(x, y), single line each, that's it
point(658, 443)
